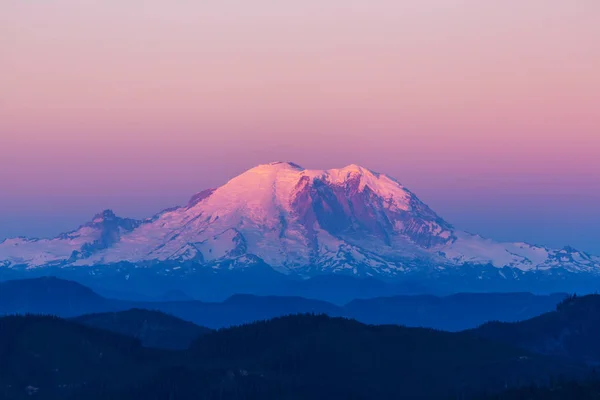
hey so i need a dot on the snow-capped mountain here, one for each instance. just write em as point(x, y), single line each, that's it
point(103, 231)
point(298, 222)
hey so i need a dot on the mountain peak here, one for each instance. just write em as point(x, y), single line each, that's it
point(108, 221)
point(298, 221)
point(104, 216)
point(342, 173)
point(280, 165)
point(358, 169)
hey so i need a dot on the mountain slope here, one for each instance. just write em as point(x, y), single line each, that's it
point(290, 218)
point(451, 313)
point(50, 358)
point(104, 230)
point(152, 328)
point(48, 295)
point(570, 331)
point(457, 312)
point(340, 358)
point(300, 223)
point(296, 357)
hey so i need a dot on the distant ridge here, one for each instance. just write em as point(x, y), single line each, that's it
point(49, 295)
point(456, 312)
point(570, 331)
point(152, 328)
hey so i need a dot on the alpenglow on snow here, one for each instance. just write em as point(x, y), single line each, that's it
point(298, 222)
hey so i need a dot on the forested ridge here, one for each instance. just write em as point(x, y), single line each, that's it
point(303, 356)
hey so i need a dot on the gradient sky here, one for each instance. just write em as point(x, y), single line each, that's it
point(488, 110)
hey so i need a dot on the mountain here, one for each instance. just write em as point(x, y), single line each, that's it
point(341, 358)
point(279, 222)
point(242, 309)
point(456, 312)
point(49, 295)
point(152, 328)
point(451, 313)
point(571, 331)
point(102, 232)
point(295, 357)
point(47, 357)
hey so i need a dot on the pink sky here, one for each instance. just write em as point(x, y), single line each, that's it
point(489, 111)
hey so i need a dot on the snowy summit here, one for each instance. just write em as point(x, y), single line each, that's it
point(298, 222)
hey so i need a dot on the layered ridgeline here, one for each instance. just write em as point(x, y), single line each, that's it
point(292, 357)
point(53, 296)
point(280, 220)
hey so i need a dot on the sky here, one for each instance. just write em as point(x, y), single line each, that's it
point(488, 111)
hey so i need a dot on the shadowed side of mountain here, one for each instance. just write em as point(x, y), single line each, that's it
point(148, 286)
point(457, 312)
point(292, 357)
point(364, 361)
point(49, 295)
point(241, 309)
point(571, 331)
point(54, 358)
point(341, 289)
point(152, 328)
point(452, 313)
